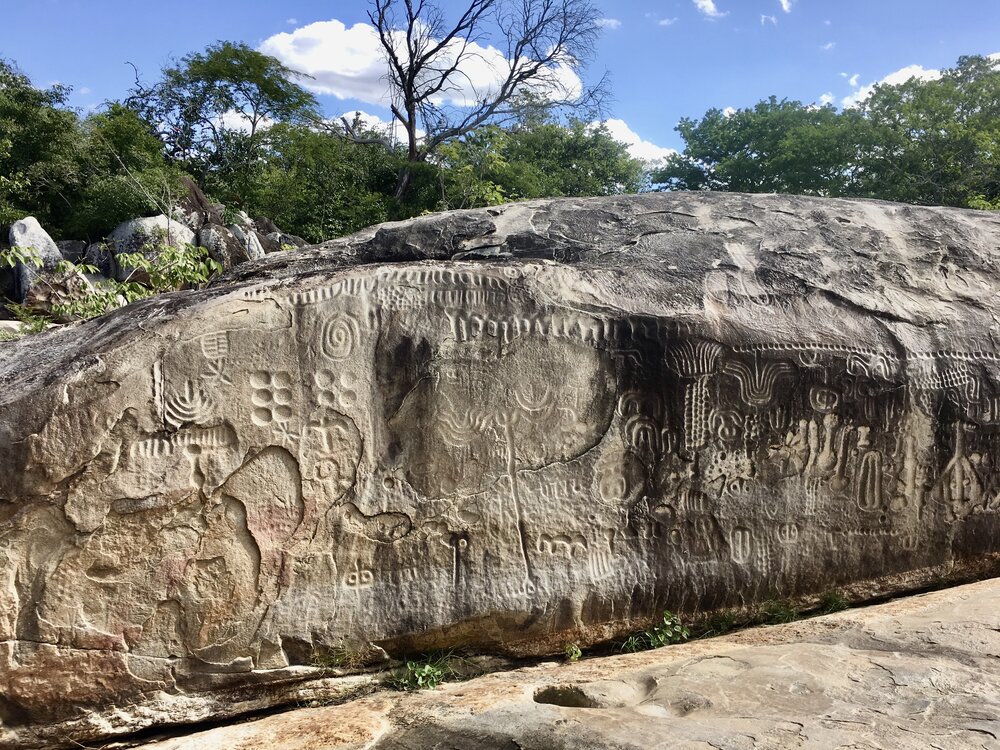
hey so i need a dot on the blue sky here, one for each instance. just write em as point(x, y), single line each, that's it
point(666, 60)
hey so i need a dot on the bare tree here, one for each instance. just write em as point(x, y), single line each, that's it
point(544, 44)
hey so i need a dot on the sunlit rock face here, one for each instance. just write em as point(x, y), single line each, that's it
point(501, 430)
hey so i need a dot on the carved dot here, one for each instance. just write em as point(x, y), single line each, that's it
point(281, 380)
point(323, 378)
point(388, 483)
point(261, 398)
point(261, 416)
point(283, 413)
point(260, 379)
point(349, 397)
point(326, 398)
point(192, 450)
point(283, 396)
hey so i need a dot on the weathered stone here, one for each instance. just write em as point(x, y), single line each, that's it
point(72, 250)
point(917, 673)
point(229, 245)
point(101, 255)
point(251, 248)
point(146, 236)
point(283, 241)
point(28, 236)
point(194, 210)
point(606, 408)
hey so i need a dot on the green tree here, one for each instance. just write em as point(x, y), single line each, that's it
point(776, 146)
point(538, 158)
point(211, 109)
point(38, 141)
point(317, 185)
point(936, 141)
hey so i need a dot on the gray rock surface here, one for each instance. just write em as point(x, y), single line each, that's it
point(27, 234)
point(146, 236)
point(249, 242)
point(501, 429)
point(915, 673)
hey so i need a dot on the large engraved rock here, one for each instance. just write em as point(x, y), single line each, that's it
point(501, 430)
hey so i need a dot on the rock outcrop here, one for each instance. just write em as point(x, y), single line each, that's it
point(146, 236)
point(915, 673)
point(28, 236)
point(502, 430)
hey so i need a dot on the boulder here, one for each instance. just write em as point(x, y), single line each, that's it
point(101, 255)
point(250, 247)
point(278, 241)
point(146, 236)
point(28, 236)
point(500, 430)
point(72, 250)
point(194, 209)
point(229, 245)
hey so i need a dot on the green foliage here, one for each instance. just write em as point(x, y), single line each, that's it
point(572, 652)
point(777, 611)
point(344, 657)
point(319, 186)
point(31, 322)
point(210, 109)
point(922, 141)
point(23, 255)
point(538, 158)
point(173, 267)
point(832, 601)
point(670, 630)
point(720, 622)
point(424, 674)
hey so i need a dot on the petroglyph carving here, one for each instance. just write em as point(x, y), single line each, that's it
point(556, 544)
point(384, 528)
point(271, 397)
point(339, 337)
point(191, 405)
point(696, 414)
point(359, 578)
point(758, 381)
point(215, 345)
point(741, 544)
point(693, 358)
point(823, 399)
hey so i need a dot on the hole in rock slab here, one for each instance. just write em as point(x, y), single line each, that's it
point(567, 696)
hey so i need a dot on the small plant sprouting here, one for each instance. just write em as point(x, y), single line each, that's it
point(572, 652)
point(777, 611)
point(720, 622)
point(832, 601)
point(424, 674)
point(665, 633)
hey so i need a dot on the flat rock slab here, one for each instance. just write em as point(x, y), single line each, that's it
point(501, 430)
point(921, 672)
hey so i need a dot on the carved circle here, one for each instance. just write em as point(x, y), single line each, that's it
point(338, 338)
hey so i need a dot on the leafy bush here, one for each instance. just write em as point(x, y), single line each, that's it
point(424, 674)
point(667, 632)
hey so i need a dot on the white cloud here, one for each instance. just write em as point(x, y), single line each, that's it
point(708, 8)
point(826, 98)
point(391, 129)
point(853, 80)
point(895, 78)
point(347, 63)
point(667, 21)
point(826, 23)
point(609, 23)
point(786, 5)
point(766, 19)
point(292, 21)
point(83, 90)
point(637, 147)
point(729, 112)
point(828, 46)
